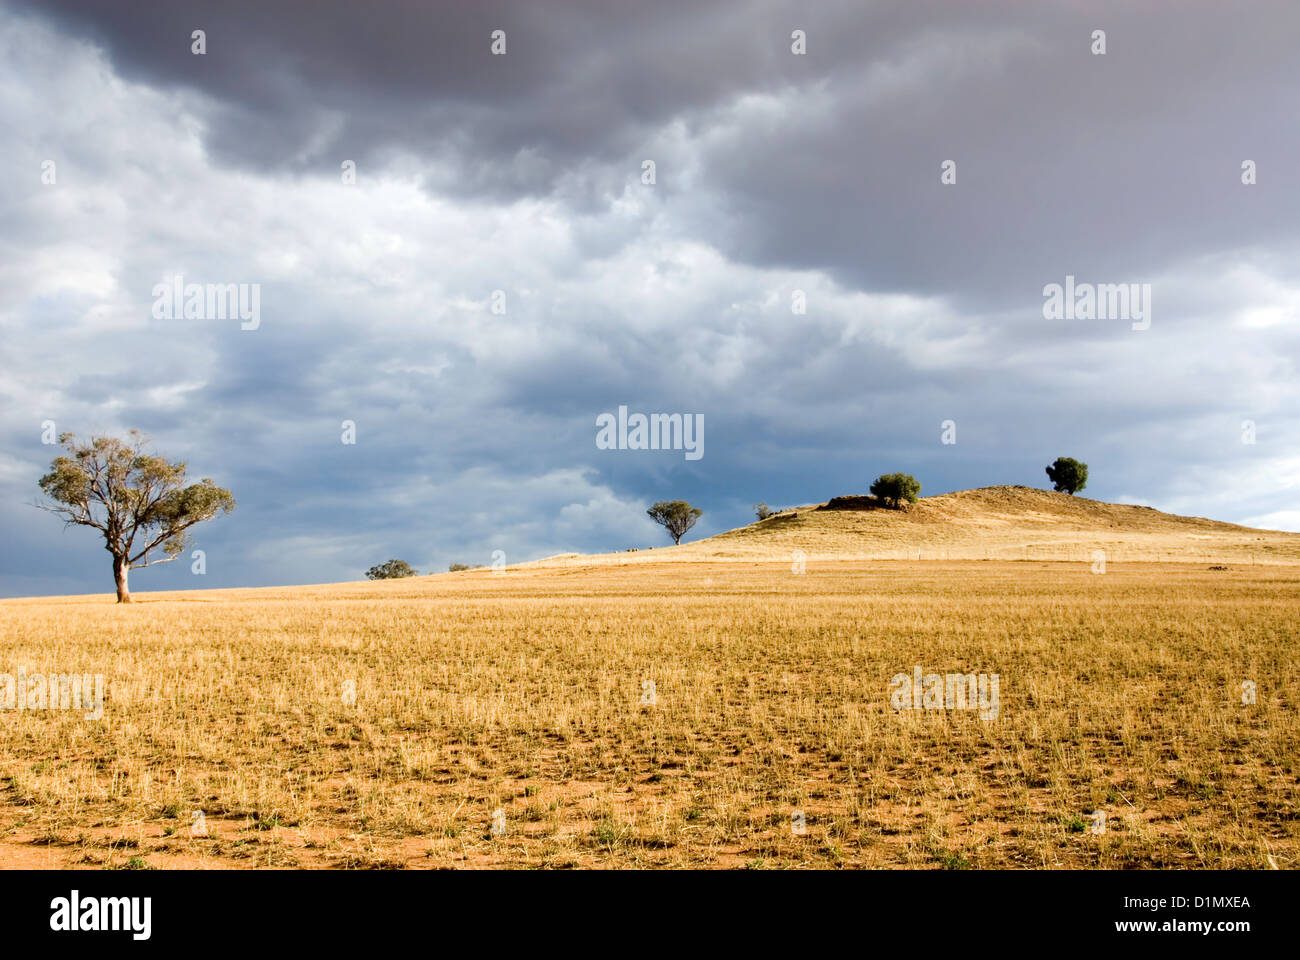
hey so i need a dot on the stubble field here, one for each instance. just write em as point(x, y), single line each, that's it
point(667, 715)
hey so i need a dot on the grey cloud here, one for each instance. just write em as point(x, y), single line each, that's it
point(1110, 166)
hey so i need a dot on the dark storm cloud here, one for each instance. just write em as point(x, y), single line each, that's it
point(1111, 166)
point(296, 85)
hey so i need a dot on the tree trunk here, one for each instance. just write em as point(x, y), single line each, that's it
point(121, 567)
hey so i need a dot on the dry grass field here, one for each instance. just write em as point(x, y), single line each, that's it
point(712, 713)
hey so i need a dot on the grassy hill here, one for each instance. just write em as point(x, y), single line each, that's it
point(990, 523)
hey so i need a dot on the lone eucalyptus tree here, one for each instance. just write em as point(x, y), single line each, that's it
point(139, 502)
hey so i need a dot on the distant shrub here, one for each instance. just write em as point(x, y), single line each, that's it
point(457, 567)
point(1068, 475)
point(894, 488)
point(762, 510)
point(392, 570)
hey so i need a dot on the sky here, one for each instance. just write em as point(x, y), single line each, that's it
point(856, 210)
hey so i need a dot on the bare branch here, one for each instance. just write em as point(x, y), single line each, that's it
point(152, 563)
point(70, 518)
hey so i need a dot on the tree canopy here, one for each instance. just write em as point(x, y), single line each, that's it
point(675, 516)
point(1068, 475)
point(392, 570)
point(894, 488)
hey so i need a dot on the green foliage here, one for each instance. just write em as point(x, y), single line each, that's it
point(606, 833)
point(392, 570)
point(675, 516)
point(137, 501)
point(894, 488)
point(952, 860)
point(1068, 475)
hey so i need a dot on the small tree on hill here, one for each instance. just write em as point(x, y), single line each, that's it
point(392, 570)
point(894, 488)
point(137, 501)
point(1068, 475)
point(675, 516)
point(762, 510)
